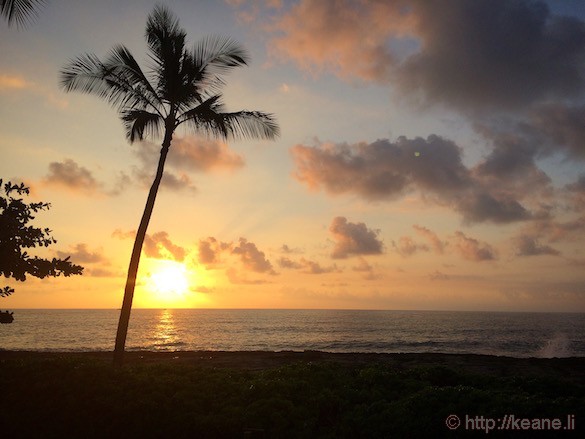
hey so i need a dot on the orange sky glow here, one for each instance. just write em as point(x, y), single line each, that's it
point(423, 163)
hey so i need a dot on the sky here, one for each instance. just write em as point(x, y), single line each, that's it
point(431, 157)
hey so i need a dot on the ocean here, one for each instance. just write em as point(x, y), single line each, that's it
point(544, 335)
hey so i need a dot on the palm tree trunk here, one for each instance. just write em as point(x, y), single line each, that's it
point(136, 251)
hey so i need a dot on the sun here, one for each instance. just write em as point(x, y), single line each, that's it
point(169, 281)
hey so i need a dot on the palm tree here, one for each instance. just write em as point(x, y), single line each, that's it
point(19, 10)
point(182, 87)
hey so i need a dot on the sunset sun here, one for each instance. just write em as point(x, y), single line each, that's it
point(169, 281)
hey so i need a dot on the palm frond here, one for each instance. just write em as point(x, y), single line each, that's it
point(140, 124)
point(124, 65)
point(166, 41)
point(211, 58)
point(161, 26)
point(19, 11)
point(209, 117)
point(120, 84)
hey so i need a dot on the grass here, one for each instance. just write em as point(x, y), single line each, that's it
point(70, 396)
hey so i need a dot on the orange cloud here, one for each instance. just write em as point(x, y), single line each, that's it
point(471, 249)
point(346, 37)
point(8, 82)
point(159, 246)
point(436, 243)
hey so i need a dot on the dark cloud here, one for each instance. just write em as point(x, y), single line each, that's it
point(289, 263)
point(313, 267)
point(562, 125)
point(354, 239)
point(159, 246)
point(576, 192)
point(526, 245)
point(482, 206)
point(210, 249)
point(384, 170)
point(72, 176)
point(472, 249)
point(470, 55)
point(252, 258)
point(557, 231)
point(494, 53)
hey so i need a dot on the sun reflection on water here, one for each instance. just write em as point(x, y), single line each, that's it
point(165, 334)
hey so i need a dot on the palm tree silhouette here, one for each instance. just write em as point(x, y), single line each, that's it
point(18, 11)
point(183, 87)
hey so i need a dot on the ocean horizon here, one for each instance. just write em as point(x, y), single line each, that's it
point(502, 333)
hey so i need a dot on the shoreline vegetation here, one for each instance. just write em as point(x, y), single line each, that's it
point(218, 394)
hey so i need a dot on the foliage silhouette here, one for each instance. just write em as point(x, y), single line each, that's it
point(19, 11)
point(182, 87)
point(16, 235)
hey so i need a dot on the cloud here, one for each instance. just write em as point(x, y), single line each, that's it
point(494, 53)
point(252, 258)
point(118, 233)
point(382, 169)
point(366, 269)
point(9, 82)
point(576, 192)
point(471, 249)
point(186, 155)
point(354, 239)
point(102, 272)
point(562, 125)
point(557, 231)
point(81, 255)
point(216, 254)
point(477, 55)
point(159, 246)
point(287, 250)
point(385, 170)
point(237, 278)
point(407, 247)
point(72, 176)
point(313, 267)
point(203, 155)
point(289, 263)
point(526, 245)
point(210, 249)
point(347, 38)
point(437, 245)
point(307, 266)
